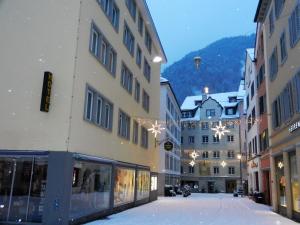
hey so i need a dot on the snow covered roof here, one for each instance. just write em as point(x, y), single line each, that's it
point(221, 98)
point(250, 52)
point(162, 79)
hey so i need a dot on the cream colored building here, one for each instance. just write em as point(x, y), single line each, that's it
point(217, 167)
point(105, 58)
point(280, 20)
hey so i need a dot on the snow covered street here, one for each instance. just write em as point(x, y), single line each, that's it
point(208, 209)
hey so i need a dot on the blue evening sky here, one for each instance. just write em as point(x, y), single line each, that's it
point(189, 25)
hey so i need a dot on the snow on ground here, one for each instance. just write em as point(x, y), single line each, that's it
point(198, 209)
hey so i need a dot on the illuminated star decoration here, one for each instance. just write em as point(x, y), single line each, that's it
point(156, 129)
point(280, 165)
point(223, 163)
point(194, 155)
point(192, 163)
point(220, 130)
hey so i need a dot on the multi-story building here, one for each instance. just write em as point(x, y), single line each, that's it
point(217, 167)
point(263, 133)
point(254, 176)
point(280, 20)
point(74, 133)
point(169, 161)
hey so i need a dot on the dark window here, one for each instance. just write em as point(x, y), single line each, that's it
point(204, 139)
point(252, 89)
point(230, 154)
point(126, 79)
point(271, 22)
point(216, 139)
point(135, 137)
point(216, 170)
point(128, 39)
point(294, 26)
point(147, 70)
point(210, 112)
point(124, 125)
point(204, 125)
point(230, 138)
point(146, 101)
point(144, 137)
point(137, 90)
point(216, 154)
point(131, 5)
point(140, 24)
point(278, 7)
point(283, 47)
point(148, 41)
point(138, 56)
point(276, 119)
point(273, 61)
point(231, 170)
point(205, 155)
point(191, 139)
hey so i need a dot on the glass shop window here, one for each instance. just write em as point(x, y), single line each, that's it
point(91, 188)
point(143, 185)
point(294, 182)
point(281, 182)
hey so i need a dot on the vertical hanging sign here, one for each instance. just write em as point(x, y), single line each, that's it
point(46, 92)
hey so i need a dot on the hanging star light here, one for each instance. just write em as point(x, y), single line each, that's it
point(220, 130)
point(194, 155)
point(223, 163)
point(156, 129)
point(280, 165)
point(192, 163)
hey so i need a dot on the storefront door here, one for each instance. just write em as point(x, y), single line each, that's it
point(22, 189)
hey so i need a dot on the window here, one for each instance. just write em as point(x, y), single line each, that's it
point(253, 116)
point(247, 101)
point(254, 145)
point(102, 50)
point(138, 56)
point(131, 5)
point(230, 125)
point(287, 109)
point(112, 62)
point(261, 76)
point(204, 139)
point(126, 79)
point(146, 101)
point(283, 47)
point(296, 88)
point(210, 112)
point(249, 122)
point(216, 139)
point(276, 117)
point(271, 22)
point(294, 26)
point(252, 89)
point(191, 139)
point(230, 111)
point(181, 140)
point(214, 124)
point(205, 155)
point(140, 24)
point(147, 70)
point(230, 154)
point(137, 90)
point(144, 137)
point(191, 169)
point(124, 125)
point(216, 154)
point(148, 41)
point(115, 16)
point(273, 64)
point(230, 138)
point(278, 7)
point(232, 99)
point(262, 104)
point(128, 39)
point(94, 46)
point(89, 105)
point(98, 109)
point(204, 125)
point(264, 140)
point(135, 138)
point(216, 170)
point(231, 170)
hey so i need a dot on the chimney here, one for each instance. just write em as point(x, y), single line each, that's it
point(205, 93)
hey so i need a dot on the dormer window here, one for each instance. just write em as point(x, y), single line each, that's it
point(198, 102)
point(230, 111)
point(186, 114)
point(232, 99)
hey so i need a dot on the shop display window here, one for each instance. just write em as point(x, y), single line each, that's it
point(124, 186)
point(294, 182)
point(281, 181)
point(91, 188)
point(143, 184)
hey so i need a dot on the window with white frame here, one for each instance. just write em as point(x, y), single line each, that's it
point(216, 154)
point(147, 70)
point(216, 139)
point(273, 64)
point(210, 112)
point(98, 109)
point(126, 79)
point(124, 125)
point(216, 170)
point(230, 154)
point(283, 52)
point(146, 101)
point(95, 42)
point(205, 155)
point(137, 90)
point(204, 139)
point(230, 138)
point(128, 39)
point(103, 51)
point(231, 170)
point(204, 125)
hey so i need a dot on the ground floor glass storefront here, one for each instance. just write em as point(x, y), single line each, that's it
point(23, 182)
point(68, 188)
point(280, 181)
point(294, 182)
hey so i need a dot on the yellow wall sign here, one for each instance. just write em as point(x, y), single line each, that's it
point(46, 92)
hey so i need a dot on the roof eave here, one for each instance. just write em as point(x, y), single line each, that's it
point(262, 10)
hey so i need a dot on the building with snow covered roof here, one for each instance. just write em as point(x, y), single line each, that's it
point(217, 166)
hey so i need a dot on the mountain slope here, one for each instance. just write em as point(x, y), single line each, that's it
point(221, 68)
